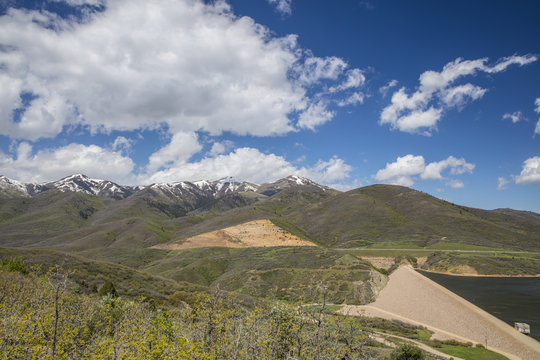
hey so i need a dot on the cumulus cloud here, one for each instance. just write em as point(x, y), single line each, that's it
point(249, 164)
point(501, 183)
point(420, 111)
point(327, 172)
point(402, 171)
point(315, 69)
point(406, 170)
point(53, 164)
point(171, 165)
point(122, 143)
point(516, 116)
point(457, 167)
point(354, 79)
point(181, 65)
point(179, 150)
point(282, 6)
point(221, 147)
point(316, 115)
point(530, 173)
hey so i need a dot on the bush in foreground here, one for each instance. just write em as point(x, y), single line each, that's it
point(44, 318)
point(408, 352)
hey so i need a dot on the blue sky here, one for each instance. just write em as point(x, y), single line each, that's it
point(439, 96)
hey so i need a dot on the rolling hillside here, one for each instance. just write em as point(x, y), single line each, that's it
point(135, 235)
point(385, 213)
point(156, 214)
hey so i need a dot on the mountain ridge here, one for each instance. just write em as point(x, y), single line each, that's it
point(10, 188)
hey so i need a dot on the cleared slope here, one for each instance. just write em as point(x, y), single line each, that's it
point(257, 233)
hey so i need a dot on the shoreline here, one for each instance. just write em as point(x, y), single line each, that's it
point(478, 275)
point(411, 297)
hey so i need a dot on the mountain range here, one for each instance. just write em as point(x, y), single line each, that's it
point(78, 205)
point(83, 184)
point(106, 230)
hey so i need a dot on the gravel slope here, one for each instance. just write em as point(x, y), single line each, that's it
point(410, 296)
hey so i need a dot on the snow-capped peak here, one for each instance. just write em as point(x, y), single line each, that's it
point(12, 186)
point(84, 184)
point(300, 180)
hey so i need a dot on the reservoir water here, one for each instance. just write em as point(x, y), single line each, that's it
point(511, 299)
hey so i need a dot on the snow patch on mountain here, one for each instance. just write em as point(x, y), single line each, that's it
point(203, 188)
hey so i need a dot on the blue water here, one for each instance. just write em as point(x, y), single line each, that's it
point(511, 299)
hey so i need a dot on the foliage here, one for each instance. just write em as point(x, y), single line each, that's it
point(108, 289)
point(41, 317)
point(407, 352)
point(15, 264)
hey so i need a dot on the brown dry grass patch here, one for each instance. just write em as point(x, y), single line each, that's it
point(258, 233)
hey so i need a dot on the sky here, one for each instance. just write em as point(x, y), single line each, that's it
point(439, 96)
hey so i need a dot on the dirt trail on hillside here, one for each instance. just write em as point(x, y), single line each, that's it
point(411, 297)
point(258, 233)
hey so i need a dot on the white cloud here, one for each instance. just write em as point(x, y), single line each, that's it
point(421, 111)
point(179, 150)
point(122, 143)
point(501, 183)
point(47, 165)
point(455, 184)
point(457, 167)
point(220, 147)
point(384, 89)
point(315, 69)
point(171, 164)
point(283, 6)
point(315, 115)
point(515, 116)
point(503, 63)
point(537, 129)
point(530, 173)
point(419, 120)
point(251, 165)
point(355, 98)
point(355, 78)
point(82, 2)
point(459, 95)
point(407, 169)
point(327, 172)
point(401, 171)
point(181, 65)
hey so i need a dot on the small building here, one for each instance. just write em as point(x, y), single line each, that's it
point(523, 328)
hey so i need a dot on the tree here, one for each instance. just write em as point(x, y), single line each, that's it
point(408, 352)
point(108, 289)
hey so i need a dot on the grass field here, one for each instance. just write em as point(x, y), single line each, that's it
point(471, 353)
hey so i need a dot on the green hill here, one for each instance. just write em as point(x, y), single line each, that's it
point(385, 213)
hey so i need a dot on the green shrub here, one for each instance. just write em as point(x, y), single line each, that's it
point(14, 265)
point(407, 352)
point(108, 289)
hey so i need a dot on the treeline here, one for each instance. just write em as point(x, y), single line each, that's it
point(45, 317)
